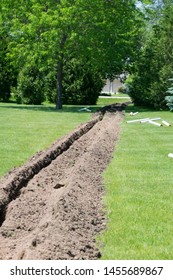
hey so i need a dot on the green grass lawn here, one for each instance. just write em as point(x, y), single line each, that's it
point(24, 130)
point(139, 191)
point(139, 179)
point(116, 98)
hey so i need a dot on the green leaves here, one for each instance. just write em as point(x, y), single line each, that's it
point(50, 33)
point(153, 68)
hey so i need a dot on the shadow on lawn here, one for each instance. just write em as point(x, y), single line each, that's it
point(72, 108)
point(141, 109)
point(51, 108)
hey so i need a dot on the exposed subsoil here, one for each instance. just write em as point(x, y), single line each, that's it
point(52, 207)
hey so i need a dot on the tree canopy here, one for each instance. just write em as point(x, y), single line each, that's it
point(44, 41)
point(152, 71)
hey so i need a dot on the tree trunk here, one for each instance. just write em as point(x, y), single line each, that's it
point(59, 85)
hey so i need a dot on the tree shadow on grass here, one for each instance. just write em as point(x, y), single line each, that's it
point(80, 108)
point(132, 108)
point(51, 108)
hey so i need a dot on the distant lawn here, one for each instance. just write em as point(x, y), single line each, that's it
point(116, 98)
point(139, 191)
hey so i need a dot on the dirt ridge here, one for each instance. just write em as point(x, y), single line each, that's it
point(18, 178)
point(59, 211)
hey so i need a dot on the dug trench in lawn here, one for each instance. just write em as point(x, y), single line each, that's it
point(57, 213)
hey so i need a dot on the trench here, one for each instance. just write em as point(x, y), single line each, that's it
point(11, 188)
point(51, 208)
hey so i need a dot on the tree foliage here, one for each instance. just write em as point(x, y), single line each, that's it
point(7, 73)
point(153, 68)
point(46, 37)
point(30, 86)
point(81, 84)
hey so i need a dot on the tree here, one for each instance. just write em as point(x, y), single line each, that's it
point(99, 31)
point(7, 73)
point(102, 32)
point(81, 84)
point(153, 68)
point(30, 87)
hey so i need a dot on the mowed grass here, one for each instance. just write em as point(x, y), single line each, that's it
point(117, 98)
point(139, 191)
point(25, 130)
point(139, 179)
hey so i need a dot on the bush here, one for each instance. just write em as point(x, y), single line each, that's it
point(154, 65)
point(50, 86)
point(122, 89)
point(136, 91)
point(82, 85)
point(148, 84)
point(29, 86)
point(7, 78)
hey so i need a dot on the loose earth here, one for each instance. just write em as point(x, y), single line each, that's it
point(55, 210)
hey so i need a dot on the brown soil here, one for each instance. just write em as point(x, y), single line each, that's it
point(52, 208)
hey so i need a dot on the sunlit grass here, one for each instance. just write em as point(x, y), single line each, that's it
point(116, 98)
point(139, 191)
point(25, 130)
point(139, 179)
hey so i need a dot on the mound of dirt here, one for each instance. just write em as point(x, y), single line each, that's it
point(52, 208)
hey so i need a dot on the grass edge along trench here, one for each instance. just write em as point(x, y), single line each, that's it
point(139, 191)
point(25, 130)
